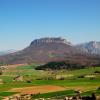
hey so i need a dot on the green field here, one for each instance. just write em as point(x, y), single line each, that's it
point(56, 94)
point(71, 80)
point(62, 94)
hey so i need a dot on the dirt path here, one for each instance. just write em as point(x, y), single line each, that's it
point(38, 89)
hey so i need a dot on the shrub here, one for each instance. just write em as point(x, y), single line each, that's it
point(29, 81)
point(81, 76)
point(1, 72)
point(98, 88)
point(97, 72)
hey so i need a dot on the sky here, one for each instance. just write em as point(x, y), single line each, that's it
point(22, 21)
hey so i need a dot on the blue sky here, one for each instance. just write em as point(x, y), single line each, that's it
point(22, 21)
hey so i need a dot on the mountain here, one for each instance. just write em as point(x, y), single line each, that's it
point(44, 50)
point(6, 52)
point(91, 47)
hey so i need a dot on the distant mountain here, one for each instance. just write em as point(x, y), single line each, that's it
point(6, 52)
point(92, 47)
point(50, 49)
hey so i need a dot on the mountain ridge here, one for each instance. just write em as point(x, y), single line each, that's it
point(50, 49)
point(91, 47)
point(5, 52)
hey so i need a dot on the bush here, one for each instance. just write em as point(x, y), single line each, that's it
point(50, 78)
point(39, 79)
point(28, 81)
point(81, 76)
point(97, 72)
point(1, 72)
point(98, 88)
point(62, 78)
point(92, 78)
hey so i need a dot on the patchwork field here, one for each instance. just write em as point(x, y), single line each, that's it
point(38, 89)
point(31, 81)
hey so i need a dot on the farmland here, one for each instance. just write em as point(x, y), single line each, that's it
point(84, 79)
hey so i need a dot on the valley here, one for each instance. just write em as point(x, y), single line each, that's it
point(49, 49)
point(50, 68)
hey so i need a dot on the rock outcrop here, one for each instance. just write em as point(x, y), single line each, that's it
point(92, 47)
point(50, 40)
point(45, 50)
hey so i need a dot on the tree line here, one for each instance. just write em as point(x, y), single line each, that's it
point(60, 65)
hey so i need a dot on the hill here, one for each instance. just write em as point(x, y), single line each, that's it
point(91, 47)
point(6, 52)
point(50, 49)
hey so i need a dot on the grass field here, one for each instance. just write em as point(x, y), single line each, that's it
point(70, 80)
point(62, 94)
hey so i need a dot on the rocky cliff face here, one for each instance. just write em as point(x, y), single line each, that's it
point(50, 49)
point(50, 40)
point(92, 47)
